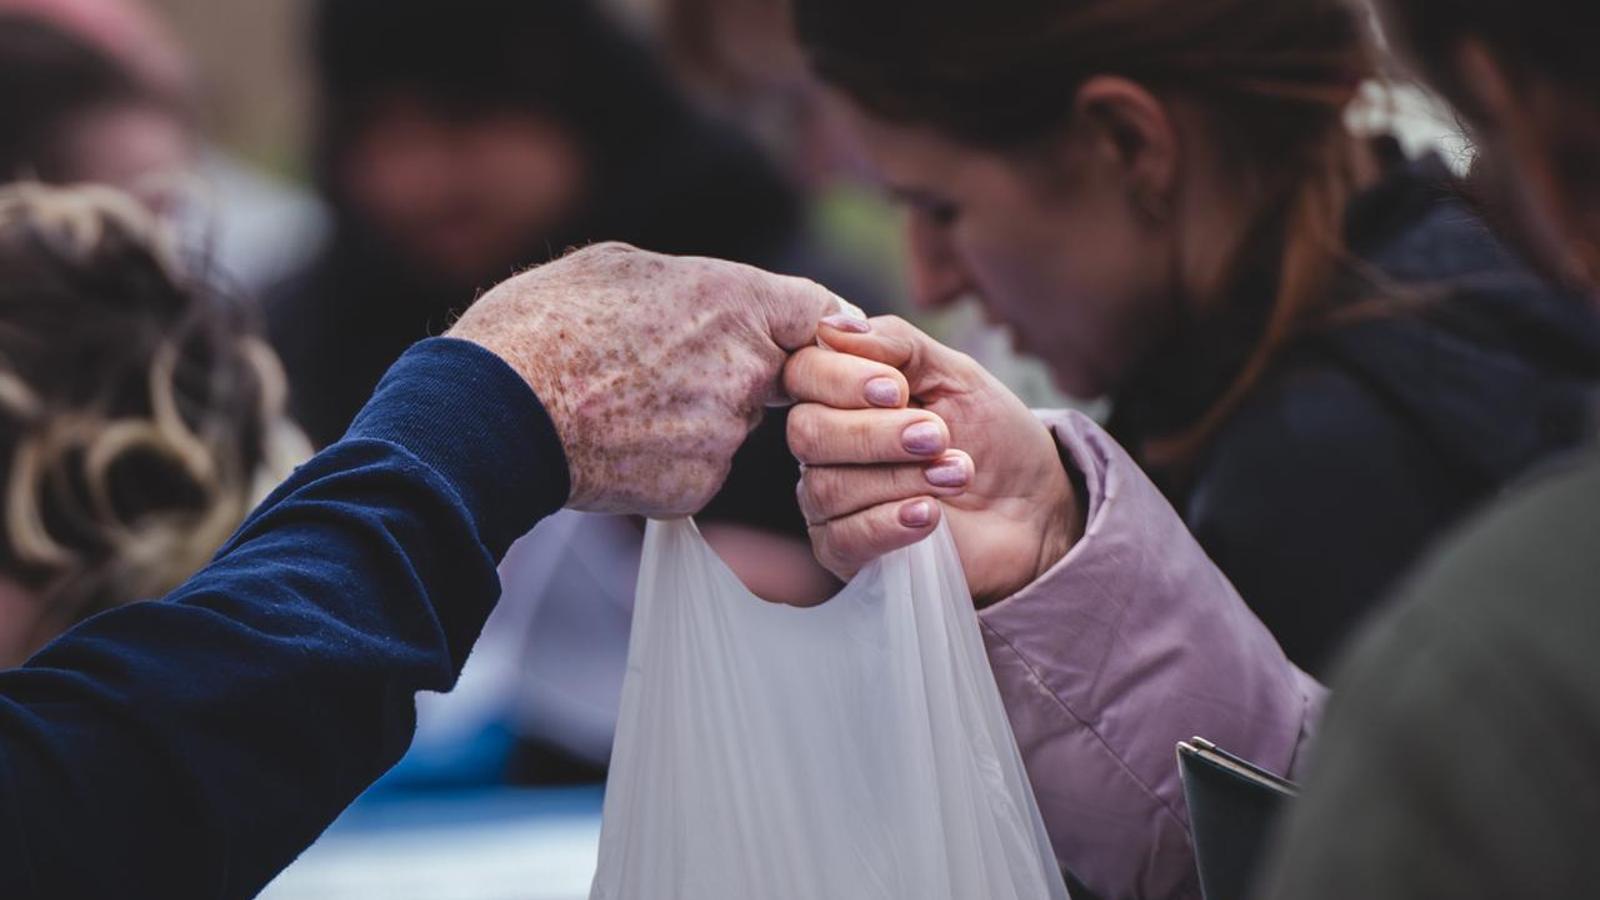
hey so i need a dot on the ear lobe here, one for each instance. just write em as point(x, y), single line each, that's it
point(1136, 129)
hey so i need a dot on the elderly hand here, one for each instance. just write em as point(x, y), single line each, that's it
point(876, 464)
point(653, 368)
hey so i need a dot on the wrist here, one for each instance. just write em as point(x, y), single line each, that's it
point(1055, 520)
point(539, 367)
point(1063, 521)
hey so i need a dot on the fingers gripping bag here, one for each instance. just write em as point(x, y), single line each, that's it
point(857, 750)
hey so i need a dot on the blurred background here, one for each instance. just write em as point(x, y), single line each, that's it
point(251, 60)
point(354, 172)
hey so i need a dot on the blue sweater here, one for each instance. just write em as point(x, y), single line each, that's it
point(193, 746)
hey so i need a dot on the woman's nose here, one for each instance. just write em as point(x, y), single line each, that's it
point(938, 277)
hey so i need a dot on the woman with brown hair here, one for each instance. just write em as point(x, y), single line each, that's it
point(1311, 343)
point(1458, 759)
point(144, 417)
point(1314, 347)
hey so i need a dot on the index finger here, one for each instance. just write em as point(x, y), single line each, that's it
point(895, 342)
point(843, 381)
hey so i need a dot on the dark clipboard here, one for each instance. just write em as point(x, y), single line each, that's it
point(1233, 805)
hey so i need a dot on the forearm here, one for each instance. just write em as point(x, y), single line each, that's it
point(1130, 644)
point(195, 744)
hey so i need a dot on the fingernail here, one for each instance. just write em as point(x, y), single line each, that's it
point(849, 324)
point(883, 392)
point(923, 439)
point(948, 474)
point(916, 514)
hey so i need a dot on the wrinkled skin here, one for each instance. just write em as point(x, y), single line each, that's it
point(653, 368)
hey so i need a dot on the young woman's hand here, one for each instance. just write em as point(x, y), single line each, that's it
point(896, 430)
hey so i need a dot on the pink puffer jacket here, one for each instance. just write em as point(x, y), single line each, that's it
point(1132, 643)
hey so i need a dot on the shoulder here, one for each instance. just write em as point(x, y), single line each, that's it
point(1312, 428)
point(1316, 478)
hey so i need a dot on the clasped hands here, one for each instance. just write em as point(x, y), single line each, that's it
point(897, 432)
point(654, 368)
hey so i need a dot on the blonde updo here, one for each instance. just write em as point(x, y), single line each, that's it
point(142, 415)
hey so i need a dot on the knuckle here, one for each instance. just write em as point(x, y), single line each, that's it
point(825, 549)
point(823, 491)
point(798, 374)
point(909, 482)
point(812, 503)
point(802, 497)
point(803, 432)
point(836, 551)
point(777, 287)
point(870, 439)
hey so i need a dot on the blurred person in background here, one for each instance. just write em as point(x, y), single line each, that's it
point(1312, 343)
point(144, 416)
point(99, 91)
point(1458, 751)
point(74, 114)
point(457, 143)
point(740, 58)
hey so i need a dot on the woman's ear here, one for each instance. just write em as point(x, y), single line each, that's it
point(1133, 133)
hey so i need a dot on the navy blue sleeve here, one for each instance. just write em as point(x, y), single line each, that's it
point(193, 746)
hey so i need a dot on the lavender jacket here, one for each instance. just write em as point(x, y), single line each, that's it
point(1131, 643)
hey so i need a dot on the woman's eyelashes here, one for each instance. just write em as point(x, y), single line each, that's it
point(943, 214)
point(933, 208)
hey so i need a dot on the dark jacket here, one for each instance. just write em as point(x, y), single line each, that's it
point(1364, 441)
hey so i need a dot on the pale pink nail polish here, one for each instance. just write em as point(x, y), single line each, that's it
point(917, 514)
point(948, 474)
point(849, 324)
point(923, 439)
point(883, 392)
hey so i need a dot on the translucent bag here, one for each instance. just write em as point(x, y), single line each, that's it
point(855, 750)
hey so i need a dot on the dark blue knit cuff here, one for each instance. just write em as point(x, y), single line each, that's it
point(468, 415)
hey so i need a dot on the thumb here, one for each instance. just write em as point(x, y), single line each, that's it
point(796, 305)
point(893, 341)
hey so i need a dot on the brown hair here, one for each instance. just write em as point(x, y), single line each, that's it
point(139, 410)
point(1275, 76)
point(1539, 40)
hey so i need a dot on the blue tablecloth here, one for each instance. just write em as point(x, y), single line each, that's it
point(478, 844)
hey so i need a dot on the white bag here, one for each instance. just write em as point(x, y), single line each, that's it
point(854, 750)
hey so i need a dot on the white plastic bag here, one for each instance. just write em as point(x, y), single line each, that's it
point(858, 749)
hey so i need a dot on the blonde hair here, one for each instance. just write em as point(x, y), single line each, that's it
point(143, 416)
